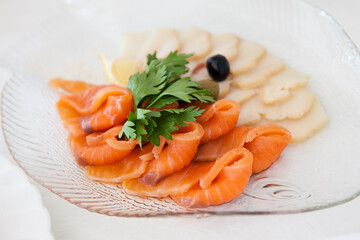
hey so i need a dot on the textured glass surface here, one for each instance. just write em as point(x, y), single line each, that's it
point(321, 172)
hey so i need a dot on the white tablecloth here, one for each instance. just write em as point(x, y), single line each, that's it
point(71, 222)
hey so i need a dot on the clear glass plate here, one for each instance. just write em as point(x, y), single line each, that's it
point(321, 172)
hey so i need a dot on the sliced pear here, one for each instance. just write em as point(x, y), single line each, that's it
point(302, 129)
point(297, 106)
point(163, 41)
point(201, 74)
point(249, 113)
point(130, 44)
point(224, 87)
point(277, 88)
point(195, 41)
point(241, 95)
point(225, 44)
point(267, 67)
point(250, 53)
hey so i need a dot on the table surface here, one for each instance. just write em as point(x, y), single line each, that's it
point(71, 222)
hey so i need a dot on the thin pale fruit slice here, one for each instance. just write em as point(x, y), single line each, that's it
point(131, 166)
point(163, 41)
point(296, 107)
point(278, 87)
point(195, 40)
point(130, 44)
point(266, 143)
point(119, 70)
point(218, 119)
point(250, 53)
point(302, 129)
point(241, 95)
point(214, 149)
point(175, 154)
point(224, 87)
point(200, 74)
point(176, 183)
point(249, 115)
point(225, 181)
point(267, 67)
point(225, 44)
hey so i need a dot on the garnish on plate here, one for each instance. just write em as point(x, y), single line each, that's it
point(140, 138)
point(161, 84)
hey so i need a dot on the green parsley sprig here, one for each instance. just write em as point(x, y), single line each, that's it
point(161, 84)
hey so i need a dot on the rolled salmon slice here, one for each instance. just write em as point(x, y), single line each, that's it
point(214, 149)
point(219, 118)
point(129, 167)
point(92, 99)
point(101, 147)
point(176, 183)
point(266, 143)
point(225, 181)
point(71, 119)
point(174, 154)
point(114, 112)
point(96, 109)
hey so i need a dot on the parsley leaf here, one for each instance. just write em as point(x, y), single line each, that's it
point(161, 84)
point(174, 63)
point(150, 125)
point(181, 89)
point(146, 84)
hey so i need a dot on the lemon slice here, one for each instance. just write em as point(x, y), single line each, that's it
point(119, 70)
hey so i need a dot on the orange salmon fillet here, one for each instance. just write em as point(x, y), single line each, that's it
point(266, 143)
point(101, 147)
point(214, 149)
point(176, 183)
point(98, 108)
point(219, 118)
point(175, 154)
point(207, 163)
point(226, 180)
point(131, 166)
point(70, 86)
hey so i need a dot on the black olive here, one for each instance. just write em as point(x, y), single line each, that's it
point(218, 67)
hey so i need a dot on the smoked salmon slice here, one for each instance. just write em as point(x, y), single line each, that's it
point(219, 118)
point(70, 86)
point(131, 166)
point(214, 149)
point(98, 108)
point(225, 181)
point(174, 155)
point(176, 183)
point(101, 147)
point(71, 119)
point(266, 142)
